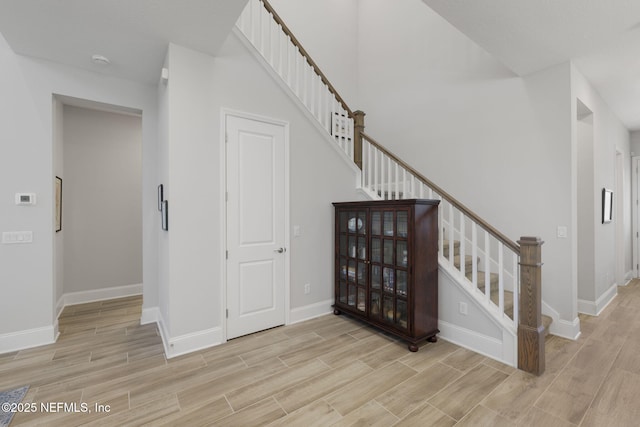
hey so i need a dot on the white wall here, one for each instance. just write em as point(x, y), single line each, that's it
point(26, 135)
point(58, 169)
point(25, 270)
point(163, 178)
point(199, 88)
point(609, 135)
point(102, 208)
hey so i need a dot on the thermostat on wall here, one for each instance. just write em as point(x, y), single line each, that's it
point(25, 199)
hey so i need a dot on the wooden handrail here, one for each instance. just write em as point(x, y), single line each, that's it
point(304, 53)
point(449, 198)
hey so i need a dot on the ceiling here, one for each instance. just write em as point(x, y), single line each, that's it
point(602, 37)
point(132, 34)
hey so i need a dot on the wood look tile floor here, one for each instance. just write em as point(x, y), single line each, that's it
point(327, 371)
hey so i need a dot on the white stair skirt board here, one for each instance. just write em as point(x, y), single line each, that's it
point(562, 328)
point(502, 347)
point(311, 311)
point(502, 351)
point(28, 338)
point(595, 308)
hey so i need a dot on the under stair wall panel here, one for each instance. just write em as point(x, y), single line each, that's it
point(477, 330)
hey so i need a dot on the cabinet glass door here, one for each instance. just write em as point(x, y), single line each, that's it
point(402, 264)
point(352, 259)
point(390, 262)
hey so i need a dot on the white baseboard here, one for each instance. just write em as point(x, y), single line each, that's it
point(628, 277)
point(150, 315)
point(49, 334)
point(310, 311)
point(82, 297)
point(479, 343)
point(183, 344)
point(595, 308)
point(20, 340)
point(195, 341)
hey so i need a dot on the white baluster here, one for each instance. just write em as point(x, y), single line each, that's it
point(463, 251)
point(487, 266)
point(270, 31)
point(369, 166)
point(263, 16)
point(321, 102)
point(516, 290)
point(451, 235)
point(281, 49)
point(396, 184)
point(412, 186)
point(253, 21)
point(441, 229)
point(500, 277)
point(474, 255)
point(305, 83)
point(376, 171)
point(389, 179)
point(296, 72)
point(404, 184)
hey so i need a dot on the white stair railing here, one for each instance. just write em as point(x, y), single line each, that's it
point(262, 26)
point(468, 245)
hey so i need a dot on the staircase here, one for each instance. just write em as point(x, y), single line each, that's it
point(493, 277)
point(486, 264)
point(493, 283)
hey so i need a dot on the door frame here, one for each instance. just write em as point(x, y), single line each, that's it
point(224, 113)
point(635, 217)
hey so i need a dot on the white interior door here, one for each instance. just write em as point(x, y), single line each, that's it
point(256, 161)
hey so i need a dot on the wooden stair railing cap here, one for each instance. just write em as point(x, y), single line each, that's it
point(530, 240)
point(528, 243)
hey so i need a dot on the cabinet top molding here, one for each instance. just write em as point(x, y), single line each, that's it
point(401, 202)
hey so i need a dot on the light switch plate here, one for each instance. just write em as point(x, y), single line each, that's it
point(562, 232)
point(15, 237)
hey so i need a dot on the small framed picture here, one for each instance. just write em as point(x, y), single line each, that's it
point(165, 215)
point(58, 202)
point(160, 196)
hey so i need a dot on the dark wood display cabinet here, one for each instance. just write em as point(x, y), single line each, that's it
point(386, 266)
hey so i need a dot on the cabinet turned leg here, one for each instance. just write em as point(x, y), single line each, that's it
point(413, 348)
point(433, 339)
point(337, 312)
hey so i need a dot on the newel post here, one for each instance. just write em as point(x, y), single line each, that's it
point(358, 126)
point(530, 330)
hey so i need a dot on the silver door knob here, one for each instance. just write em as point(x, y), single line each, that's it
point(280, 250)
